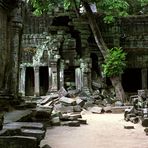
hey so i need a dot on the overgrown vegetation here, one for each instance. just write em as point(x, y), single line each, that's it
point(115, 62)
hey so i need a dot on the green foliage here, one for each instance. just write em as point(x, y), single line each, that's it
point(112, 9)
point(71, 4)
point(42, 6)
point(115, 62)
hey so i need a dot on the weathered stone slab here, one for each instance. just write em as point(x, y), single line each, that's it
point(55, 121)
point(77, 108)
point(63, 109)
point(18, 142)
point(17, 115)
point(119, 109)
point(74, 116)
point(96, 110)
point(48, 98)
point(89, 104)
point(129, 127)
point(107, 109)
point(30, 125)
point(39, 134)
point(82, 121)
point(80, 101)
point(74, 123)
point(67, 101)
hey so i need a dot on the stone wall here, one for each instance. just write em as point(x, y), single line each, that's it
point(10, 28)
point(77, 51)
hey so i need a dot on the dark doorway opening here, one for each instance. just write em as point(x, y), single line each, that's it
point(95, 67)
point(44, 80)
point(69, 78)
point(131, 79)
point(29, 85)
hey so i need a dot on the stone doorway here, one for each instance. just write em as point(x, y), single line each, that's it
point(69, 78)
point(29, 85)
point(44, 80)
point(132, 79)
point(95, 71)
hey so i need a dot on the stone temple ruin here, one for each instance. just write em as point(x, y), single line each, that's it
point(59, 51)
point(53, 62)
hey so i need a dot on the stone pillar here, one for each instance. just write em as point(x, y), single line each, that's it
point(22, 80)
point(37, 81)
point(86, 75)
point(78, 78)
point(50, 80)
point(61, 73)
point(4, 54)
point(144, 78)
point(15, 26)
point(54, 82)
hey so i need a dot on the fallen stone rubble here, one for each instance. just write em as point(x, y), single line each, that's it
point(138, 112)
point(27, 127)
point(68, 105)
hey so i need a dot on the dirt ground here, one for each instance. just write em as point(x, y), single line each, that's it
point(102, 131)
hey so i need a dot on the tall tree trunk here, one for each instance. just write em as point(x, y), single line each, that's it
point(120, 94)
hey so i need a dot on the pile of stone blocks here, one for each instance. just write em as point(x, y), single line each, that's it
point(138, 112)
point(18, 134)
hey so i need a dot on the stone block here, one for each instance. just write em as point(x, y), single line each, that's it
point(29, 125)
point(89, 104)
point(144, 122)
point(107, 109)
point(64, 117)
point(80, 101)
point(74, 116)
point(48, 98)
point(96, 109)
point(63, 109)
point(67, 101)
point(74, 123)
point(65, 123)
point(18, 142)
point(82, 121)
point(62, 92)
point(55, 121)
point(118, 110)
point(39, 134)
point(77, 108)
point(128, 127)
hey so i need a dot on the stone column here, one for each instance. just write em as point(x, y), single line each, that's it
point(144, 78)
point(36, 81)
point(4, 54)
point(86, 75)
point(61, 73)
point(78, 78)
point(15, 26)
point(22, 80)
point(50, 79)
point(54, 82)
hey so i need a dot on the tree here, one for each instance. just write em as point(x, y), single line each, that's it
point(111, 9)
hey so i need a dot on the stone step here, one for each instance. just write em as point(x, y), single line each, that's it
point(28, 125)
point(18, 142)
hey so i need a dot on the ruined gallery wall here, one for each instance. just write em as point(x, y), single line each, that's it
point(134, 39)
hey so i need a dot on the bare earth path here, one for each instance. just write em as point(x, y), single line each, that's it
point(102, 131)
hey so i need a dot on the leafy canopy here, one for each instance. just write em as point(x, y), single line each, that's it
point(110, 8)
point(115, 62)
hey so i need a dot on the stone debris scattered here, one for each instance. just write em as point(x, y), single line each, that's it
point(138, 112)
point(64, 108)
